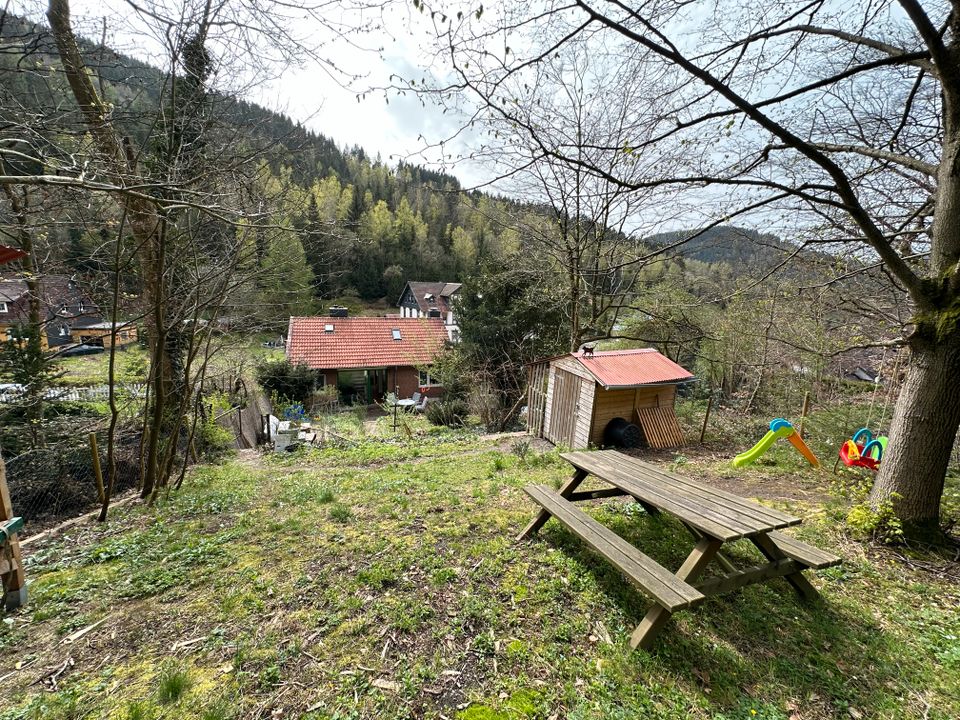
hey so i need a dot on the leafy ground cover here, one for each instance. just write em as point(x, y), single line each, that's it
point(381, 580)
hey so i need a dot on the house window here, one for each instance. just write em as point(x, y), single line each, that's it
point(64, 331)
point(80, 307)
point(63, 307)
point(321, 380)
point(3, 307)
point(396, 334)
point(425, 379)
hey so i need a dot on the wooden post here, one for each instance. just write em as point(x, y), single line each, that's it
point(11, 560)
point(803, 412)
point(706, 416)
point(95, 459)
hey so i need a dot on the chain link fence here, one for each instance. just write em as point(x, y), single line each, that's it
point(55, 483)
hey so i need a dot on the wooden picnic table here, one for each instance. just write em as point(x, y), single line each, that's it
point(712, 516)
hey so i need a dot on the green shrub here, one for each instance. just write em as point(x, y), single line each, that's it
point(293, 382)
point(450, 413)
point(878, 521)
point(212, 439)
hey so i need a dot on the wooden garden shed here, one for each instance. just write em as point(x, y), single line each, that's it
point(572, 398)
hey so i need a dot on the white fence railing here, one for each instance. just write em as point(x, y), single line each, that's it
point(94, 393)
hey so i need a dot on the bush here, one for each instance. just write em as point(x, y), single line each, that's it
point(879, 523)
point(450, 413)
point(213, 439)
point(293, 382)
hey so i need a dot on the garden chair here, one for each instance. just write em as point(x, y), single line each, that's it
point(422, 405)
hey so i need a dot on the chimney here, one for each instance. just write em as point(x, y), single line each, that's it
point(338, 311)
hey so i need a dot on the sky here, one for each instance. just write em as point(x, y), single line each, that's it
point(326, 102)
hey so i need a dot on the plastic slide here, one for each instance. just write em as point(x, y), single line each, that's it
point(779, 428)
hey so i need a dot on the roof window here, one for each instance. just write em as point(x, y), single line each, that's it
point(328, 328)
point(396, 334)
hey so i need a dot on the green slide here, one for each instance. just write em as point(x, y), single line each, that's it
point(761, 447)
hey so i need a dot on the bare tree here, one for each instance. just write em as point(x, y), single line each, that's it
point(836, 125)
point(577, 229)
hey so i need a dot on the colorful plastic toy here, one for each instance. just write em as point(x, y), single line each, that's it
point(862, 450)
point(779, 428)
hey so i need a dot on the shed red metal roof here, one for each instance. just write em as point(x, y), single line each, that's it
point(364, 342)
point(9, 254)
point(629, 368)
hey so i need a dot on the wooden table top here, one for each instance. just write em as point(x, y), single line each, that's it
point(717, 513)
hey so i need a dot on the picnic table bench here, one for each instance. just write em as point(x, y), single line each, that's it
point(712, 516)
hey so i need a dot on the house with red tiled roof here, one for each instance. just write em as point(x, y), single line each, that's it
point(573, 399)
point(431, 300)
point(367, 357)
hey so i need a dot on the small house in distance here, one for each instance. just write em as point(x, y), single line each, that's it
point(68, 314)
point(431, 300)
point(572, 398)
point(367, 357)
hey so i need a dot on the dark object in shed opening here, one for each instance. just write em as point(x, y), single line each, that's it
point(623, 434)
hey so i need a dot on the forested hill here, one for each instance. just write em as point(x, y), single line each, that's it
point(736, 246)
point(135, 87)
point(362, 227)
point(366, 227)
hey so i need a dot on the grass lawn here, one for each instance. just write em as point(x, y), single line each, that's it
point(383, 581)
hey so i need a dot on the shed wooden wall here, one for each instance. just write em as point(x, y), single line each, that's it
point(584, 411)
point(610, 404)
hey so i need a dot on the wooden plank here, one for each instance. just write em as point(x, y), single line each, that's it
point(660, 426)
point(692, 567)
point(584, 419)
point(13, 577)
point(771, 551)
point(704, 518)
point(641, 570)
point(749, 576)
point(566, 491)
point(722, 559)
point(734, 503)
point(6, 566)
point(808, 555)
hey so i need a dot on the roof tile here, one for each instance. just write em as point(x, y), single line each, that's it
point(364, 342)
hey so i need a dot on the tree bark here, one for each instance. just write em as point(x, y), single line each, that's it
point(922, 434)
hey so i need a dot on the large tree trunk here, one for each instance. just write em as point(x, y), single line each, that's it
point(922, 433)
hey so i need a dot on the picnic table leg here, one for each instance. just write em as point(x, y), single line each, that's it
point(565, 491)
point(721, 558)
point(799, 583)
point(705, 551)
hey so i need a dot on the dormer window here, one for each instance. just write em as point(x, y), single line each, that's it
point(328, 328)
point(428, 296)
point(396, 334)
point(63, 308)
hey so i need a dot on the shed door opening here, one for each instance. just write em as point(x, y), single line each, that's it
point(563, 412)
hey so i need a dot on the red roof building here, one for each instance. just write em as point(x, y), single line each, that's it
point(369, 356)
point(632, 368)
point(573, 398)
